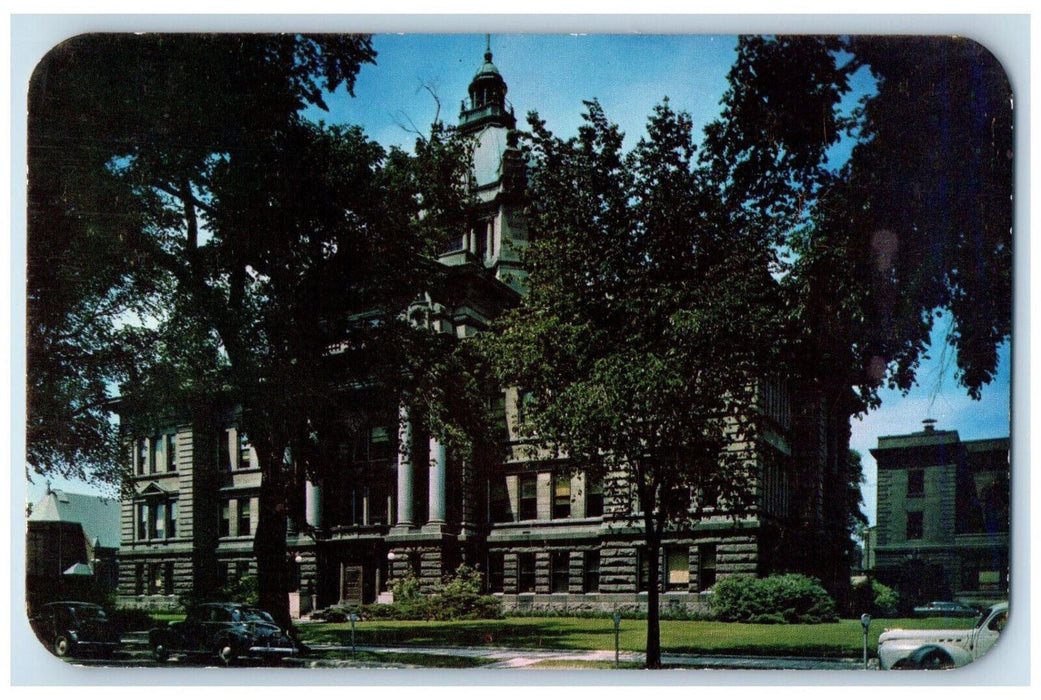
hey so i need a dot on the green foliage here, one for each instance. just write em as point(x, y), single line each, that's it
point(406, 588)
point(784, 598)
point(457, 597)
point(242, 590)
point(886, 600)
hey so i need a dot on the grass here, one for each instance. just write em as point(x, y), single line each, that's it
point(838, 639)
point(368, 658)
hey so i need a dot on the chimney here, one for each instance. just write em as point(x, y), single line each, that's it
point(930, 424)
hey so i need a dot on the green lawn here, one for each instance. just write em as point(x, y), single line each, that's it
point(844, 638)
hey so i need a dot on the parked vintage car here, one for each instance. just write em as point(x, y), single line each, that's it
point(946, 608)
point(937, 649)
point(228, 631)
point(74, 628)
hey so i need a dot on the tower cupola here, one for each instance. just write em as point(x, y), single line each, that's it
point(487, 104)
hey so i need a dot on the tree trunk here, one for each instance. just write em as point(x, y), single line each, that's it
point(269, 543)
point(653, 613)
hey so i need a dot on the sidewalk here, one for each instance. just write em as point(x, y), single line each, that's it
point(527, 658)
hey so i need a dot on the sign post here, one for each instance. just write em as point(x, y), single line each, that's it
point(354, 618)
point(865, 622)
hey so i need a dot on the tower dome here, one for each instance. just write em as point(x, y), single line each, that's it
point(487, 104)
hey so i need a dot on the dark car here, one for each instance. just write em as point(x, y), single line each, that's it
point(946, 608)
point(228, 631)
point(73, 628)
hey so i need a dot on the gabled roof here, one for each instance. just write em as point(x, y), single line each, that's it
point(99, 516)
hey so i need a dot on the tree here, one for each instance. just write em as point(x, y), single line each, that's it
point(639, 369)
point(270, 239)
point(918, 219)
point(168, 104)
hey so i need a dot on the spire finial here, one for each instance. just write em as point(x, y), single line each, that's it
point(488, 48)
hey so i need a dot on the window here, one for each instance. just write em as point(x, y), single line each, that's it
point(243, 519)
point(159, 520)
point(496, 572)
point(525, 400)
point(915, 525)
point(559, 564)
point(526, 572)
point(141, 456)
point(142, 521)
point(158, 455)
point(139, 579)
point(171, 452)
point(498, 500)
point(594, 497)
point(168, 588)
point(591, 571)
point(643, 574)
point(561, 496)
point(706, 566)
point(916, 482)
point(528, 505)
point(171, 519)
point(245, 452)
point(225, 519)
point(677, 569)
point(224, 450)
point(379, 444)
point(156, 578)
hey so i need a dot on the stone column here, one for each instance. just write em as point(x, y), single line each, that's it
point(313, 502)
point(438, 475)
point(405, 469)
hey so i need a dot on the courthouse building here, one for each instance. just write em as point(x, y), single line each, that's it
point(397, 500)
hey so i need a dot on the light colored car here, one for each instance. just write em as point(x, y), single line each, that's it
point(937, 649)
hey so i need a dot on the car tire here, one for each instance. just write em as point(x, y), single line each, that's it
point(226, 653)
point(62, 646)
point(933, 660)
point(160, 653)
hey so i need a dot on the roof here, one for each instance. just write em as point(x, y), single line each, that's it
point(99, 516)
point(924, 438)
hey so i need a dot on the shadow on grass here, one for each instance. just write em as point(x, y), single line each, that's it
point(490, 633)
point(363, 658)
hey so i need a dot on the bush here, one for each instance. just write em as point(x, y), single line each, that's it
point(406, 588)
point(874, 598)
point(243, 590)
point(786, 598)
point(885, 600)
point(458, 597)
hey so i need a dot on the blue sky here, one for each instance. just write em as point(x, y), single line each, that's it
point(628, 74)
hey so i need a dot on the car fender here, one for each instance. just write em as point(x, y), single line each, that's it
point(909, 654)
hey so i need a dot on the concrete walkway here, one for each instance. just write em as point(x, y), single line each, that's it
point(527, 658)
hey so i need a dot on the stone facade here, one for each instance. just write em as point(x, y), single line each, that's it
point(942, 527)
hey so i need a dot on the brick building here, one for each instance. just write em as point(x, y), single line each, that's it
point(943, 515)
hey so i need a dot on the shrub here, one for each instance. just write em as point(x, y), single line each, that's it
point(885, 600)
point(243, 590)
point(458, 597)
point(785, 598)
point(406, 588)
point(874, 598)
